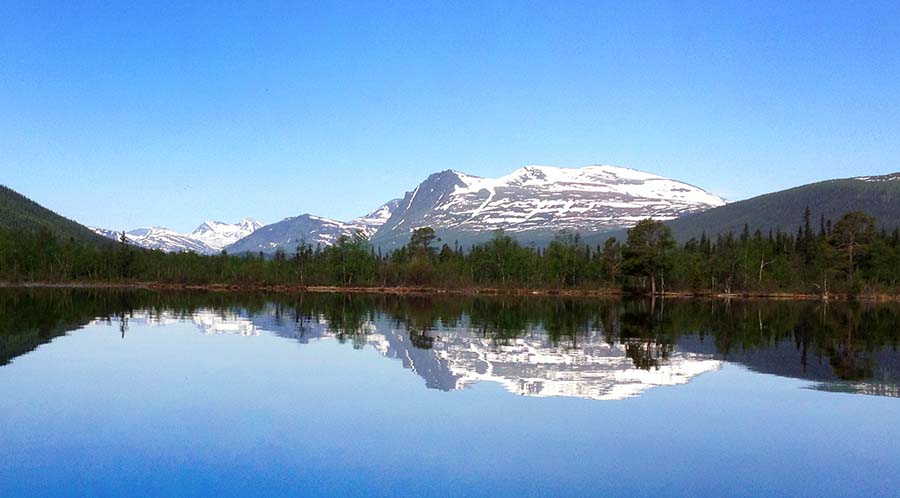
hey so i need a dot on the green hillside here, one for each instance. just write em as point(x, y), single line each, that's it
point(18, 212)
point(879, 196)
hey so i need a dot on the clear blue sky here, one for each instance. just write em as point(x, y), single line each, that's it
point(121, 116)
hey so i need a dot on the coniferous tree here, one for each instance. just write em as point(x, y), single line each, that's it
point(851, 235)
point(611, 261)
point(648, 251)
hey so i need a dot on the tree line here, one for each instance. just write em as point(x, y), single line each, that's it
point(848, 256)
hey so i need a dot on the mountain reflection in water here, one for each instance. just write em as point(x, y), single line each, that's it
point(535, 347)
point(454, 357)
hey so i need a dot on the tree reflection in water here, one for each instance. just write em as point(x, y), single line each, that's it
point(526, 342)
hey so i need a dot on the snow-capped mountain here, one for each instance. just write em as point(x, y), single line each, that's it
point(109, 234)
point(209, 238)
point(370, 223)
point(165, 240)
point(288, 233)
point(218, 235)
point(540, 200)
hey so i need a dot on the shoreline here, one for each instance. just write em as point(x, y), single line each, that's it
point(433, 291)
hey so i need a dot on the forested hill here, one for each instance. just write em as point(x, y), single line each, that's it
point(18, 212)
point(878, 196)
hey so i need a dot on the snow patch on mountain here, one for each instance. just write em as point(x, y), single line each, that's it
point(880, 178)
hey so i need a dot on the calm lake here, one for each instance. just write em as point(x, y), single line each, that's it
point(132, 393)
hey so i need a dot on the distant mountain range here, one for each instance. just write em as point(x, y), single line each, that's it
point(288, 233)
point(208, 238)
point(531, 204)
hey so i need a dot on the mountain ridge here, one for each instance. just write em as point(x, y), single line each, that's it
point(533, 203)
point(18, 212)
point(310, 229)
point(876, 195)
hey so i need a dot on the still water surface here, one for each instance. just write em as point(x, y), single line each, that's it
point(174, 394)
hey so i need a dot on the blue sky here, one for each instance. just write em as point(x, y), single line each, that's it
point(123, 115)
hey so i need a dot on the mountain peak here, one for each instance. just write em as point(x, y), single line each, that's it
point(217, 235)
point(371, 222)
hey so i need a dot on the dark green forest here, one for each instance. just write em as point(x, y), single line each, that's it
point(19, 213)
point(847, 256)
